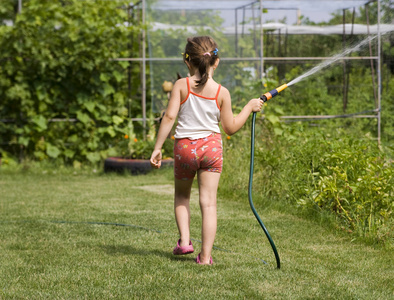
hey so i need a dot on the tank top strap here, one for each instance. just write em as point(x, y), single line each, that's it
point(217, 94)
point(216, 97)
point(188, 85)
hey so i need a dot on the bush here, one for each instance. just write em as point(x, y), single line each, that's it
point(320, 170)
point(352, 179)
point(62, 95)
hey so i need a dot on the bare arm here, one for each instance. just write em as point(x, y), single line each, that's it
point(166, 124)
point(231, 124)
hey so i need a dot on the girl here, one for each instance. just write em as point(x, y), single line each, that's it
point(200, 104)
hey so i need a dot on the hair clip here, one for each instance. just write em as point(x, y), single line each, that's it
point(215, 51)
point(207, 53)
point(186, 55)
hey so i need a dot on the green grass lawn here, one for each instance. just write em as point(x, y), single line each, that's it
point(58, 240)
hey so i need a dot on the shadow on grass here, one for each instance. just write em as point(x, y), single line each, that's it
point(130, 250)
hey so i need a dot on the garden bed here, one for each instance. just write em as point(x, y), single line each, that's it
point(134, 166)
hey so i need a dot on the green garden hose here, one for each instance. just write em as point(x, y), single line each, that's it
point(250, 193)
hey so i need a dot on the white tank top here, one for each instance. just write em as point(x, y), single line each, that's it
point(198, 116)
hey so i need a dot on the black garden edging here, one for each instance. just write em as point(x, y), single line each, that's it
point(134, 166)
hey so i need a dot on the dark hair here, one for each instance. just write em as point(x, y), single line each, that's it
point(201, 52)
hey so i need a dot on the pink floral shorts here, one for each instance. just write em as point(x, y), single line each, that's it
point(191, 155)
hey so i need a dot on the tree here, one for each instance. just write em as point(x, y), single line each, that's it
point(56, 64)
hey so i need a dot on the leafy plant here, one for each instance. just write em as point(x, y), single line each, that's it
point(357, 184)
point(337, 173)
point(63, 95)
point(323, 171)
point(135, 145)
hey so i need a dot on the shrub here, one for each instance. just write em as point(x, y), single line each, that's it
point(318, 170)
point(55, 66)
point(355, 181)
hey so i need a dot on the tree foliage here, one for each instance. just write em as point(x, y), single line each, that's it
point(56, 65)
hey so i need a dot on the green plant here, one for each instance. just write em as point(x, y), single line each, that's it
point(357, 184)
point(323, 171)
point(64, 96)
point(136, 145)
point(348, 177)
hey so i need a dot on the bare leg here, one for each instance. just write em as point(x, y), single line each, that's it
point(208, 183)
point(182, 209)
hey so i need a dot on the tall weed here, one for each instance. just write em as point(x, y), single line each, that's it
point(354, 181)
point(319, 170)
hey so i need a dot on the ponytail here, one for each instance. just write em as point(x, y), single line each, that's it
point(203, 68)
point(202, 53)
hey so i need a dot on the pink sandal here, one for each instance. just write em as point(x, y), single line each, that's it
point(178, 250)
point(199, 262)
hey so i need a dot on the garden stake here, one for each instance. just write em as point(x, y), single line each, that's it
point(265, 98)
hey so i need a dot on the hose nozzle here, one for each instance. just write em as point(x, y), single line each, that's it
point(273, 93)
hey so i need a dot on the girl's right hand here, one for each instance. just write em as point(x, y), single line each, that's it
point(256, 104)
point(155, 159)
